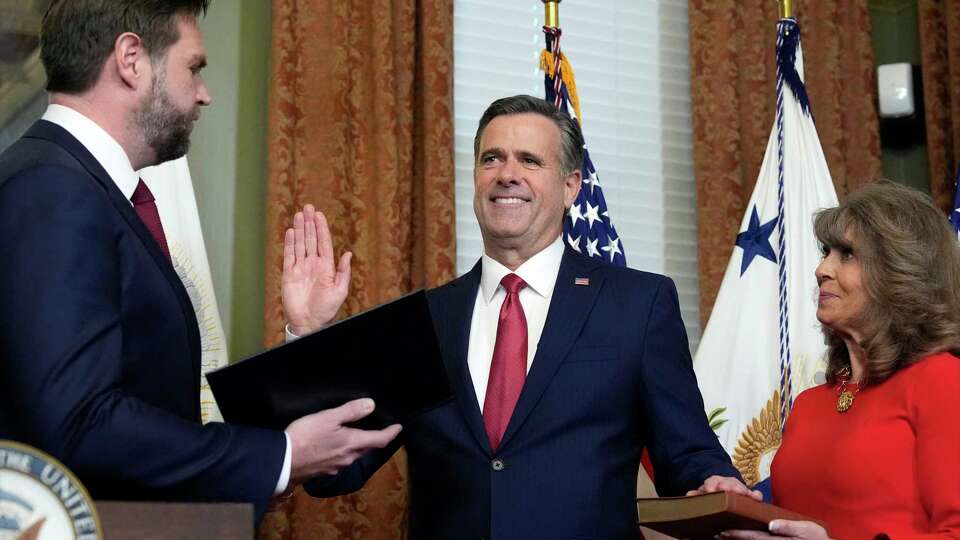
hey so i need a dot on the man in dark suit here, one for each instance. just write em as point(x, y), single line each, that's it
point(99, 346)
point(564, 367)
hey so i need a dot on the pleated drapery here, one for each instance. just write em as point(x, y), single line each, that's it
point(361, 125)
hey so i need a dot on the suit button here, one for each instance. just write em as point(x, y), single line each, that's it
point(497, 465)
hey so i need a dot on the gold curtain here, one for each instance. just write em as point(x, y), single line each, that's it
point(940, 51)
point(361, 125)
point(732, 49)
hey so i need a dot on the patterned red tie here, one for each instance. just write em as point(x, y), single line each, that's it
point(509, 366)
point(146, 208)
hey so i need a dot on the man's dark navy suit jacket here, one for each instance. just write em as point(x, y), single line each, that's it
point(99, 345)
point(612, 374)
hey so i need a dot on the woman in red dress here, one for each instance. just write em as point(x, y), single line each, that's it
point(875, 452)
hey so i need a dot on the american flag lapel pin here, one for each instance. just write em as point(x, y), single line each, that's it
point(581, 281)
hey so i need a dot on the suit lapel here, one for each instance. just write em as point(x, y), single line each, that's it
point(456, 313)
point(570, 306)
point(57, 135)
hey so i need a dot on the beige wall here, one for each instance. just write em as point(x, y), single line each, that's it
point(228, 164)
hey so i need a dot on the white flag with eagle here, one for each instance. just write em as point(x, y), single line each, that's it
point(762, 344)
point(172, 188)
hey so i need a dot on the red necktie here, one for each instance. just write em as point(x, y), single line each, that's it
point(508, 369)
point(146, 208)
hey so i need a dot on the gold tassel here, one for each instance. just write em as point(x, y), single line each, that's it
point(547, 66)
point(546, 62)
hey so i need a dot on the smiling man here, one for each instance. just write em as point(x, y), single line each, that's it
point(99, 345)
point(563, 367)
point(522, 184)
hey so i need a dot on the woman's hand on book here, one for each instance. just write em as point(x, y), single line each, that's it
point(782, 528)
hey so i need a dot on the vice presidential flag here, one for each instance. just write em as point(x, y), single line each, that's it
point(763, 345)
point(172, 188)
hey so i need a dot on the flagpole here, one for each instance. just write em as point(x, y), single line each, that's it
point(786, 9)
point(551, 10)
point(551, 31)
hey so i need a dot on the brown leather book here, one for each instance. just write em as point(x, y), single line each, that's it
point(703, 516)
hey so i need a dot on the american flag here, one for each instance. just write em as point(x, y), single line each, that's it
point(588, 228)
point(955, 215)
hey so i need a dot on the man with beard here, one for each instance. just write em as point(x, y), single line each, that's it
point(99, 344)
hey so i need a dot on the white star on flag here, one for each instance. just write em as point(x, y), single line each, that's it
point(955, 215)
point(592, 248)
point(612, 247)
point(593, 181)
point(593, 214)
point(574, 243)
point(957, 221)
point(575, 214)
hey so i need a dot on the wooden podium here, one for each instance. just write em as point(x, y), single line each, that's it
point(163, 521)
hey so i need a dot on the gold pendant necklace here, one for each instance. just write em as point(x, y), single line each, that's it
point(845, 397)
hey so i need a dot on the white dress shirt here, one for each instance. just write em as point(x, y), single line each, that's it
point(111, 156)
point(98, 142)
point(540, 274)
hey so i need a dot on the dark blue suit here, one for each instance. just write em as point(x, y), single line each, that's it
point(99, 345)
point(612, 375)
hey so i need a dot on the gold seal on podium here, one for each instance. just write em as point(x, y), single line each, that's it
point(40, 499)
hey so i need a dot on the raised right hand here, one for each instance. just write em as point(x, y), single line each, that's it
point(312, 287)
point(321, 444)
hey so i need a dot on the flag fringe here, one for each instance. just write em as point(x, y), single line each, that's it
point(787, 62)
point(548, 66)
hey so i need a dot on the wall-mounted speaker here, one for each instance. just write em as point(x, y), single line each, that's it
point(900, 105)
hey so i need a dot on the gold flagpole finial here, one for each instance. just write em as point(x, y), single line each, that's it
point(786, 9)
point(551, 13)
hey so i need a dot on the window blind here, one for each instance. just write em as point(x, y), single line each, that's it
point(631, 62)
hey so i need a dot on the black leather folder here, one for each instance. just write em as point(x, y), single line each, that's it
point(390, 354)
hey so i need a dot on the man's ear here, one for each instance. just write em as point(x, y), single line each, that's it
point(571, 187)
point(130, 59)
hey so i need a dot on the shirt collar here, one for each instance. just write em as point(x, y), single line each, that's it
point(539, 272)
point(104, 148)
